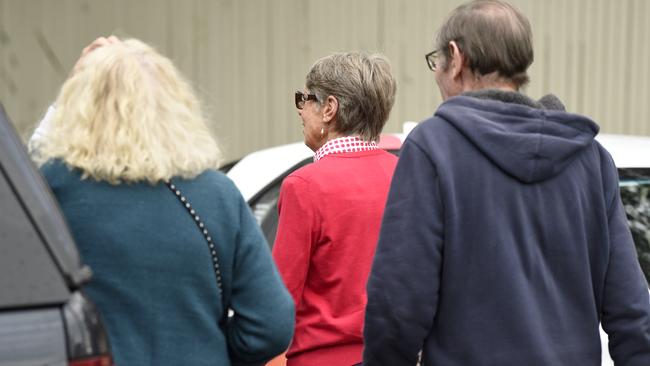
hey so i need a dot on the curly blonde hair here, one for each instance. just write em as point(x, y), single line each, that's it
point(127, 115)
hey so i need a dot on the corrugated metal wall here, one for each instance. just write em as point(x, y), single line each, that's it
point(246, 57)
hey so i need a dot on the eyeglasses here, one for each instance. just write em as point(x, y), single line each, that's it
point(301, 98)
point(431, 58)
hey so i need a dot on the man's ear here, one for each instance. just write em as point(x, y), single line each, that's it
point(330, 108)
point(457, 60)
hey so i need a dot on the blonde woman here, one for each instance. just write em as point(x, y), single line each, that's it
point(171, 242)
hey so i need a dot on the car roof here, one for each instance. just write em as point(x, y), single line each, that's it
point(256, 170)
point(627, 151)
point(267, 165)
point(39, 262)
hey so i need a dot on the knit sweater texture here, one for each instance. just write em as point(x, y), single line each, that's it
point(154, 281)
point(330, 212)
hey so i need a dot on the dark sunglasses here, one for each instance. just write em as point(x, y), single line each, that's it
point(301, 98)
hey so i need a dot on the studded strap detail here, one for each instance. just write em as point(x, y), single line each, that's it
point(202, 228)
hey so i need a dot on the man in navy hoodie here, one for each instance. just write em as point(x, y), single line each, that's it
point(504, 240)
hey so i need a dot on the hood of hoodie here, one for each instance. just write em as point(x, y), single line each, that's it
point(529, 140)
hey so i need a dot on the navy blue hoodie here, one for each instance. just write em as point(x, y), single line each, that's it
point(504, 242)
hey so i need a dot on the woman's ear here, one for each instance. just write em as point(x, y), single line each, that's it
point(330, 108)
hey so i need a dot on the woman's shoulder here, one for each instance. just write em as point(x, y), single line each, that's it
point(331, 165)
point(310, 176)
point(212, 184)
point(54, 166)
point(56, 171)
point(305, 172)
point(215, 178)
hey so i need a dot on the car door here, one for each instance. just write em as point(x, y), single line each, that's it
point(44, 317)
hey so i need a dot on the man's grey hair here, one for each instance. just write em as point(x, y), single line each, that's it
point(364, 87)
point(493, 35)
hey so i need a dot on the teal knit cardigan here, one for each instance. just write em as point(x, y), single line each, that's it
point(154, 281)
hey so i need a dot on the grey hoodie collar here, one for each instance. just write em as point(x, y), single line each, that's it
point(549, 101)
point(523, 137)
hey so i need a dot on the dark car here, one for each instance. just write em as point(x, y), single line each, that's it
point(45, 319)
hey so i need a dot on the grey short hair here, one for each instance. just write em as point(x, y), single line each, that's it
point(493, 35)
point(364, 87)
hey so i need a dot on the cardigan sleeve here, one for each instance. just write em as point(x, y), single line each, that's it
point(405, 277)
point(295, 236)
point(264, 315)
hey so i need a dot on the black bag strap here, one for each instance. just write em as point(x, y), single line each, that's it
point(204, 231)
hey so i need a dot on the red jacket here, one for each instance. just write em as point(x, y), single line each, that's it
point(330, 214)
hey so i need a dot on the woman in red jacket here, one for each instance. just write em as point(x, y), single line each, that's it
point(330, 211)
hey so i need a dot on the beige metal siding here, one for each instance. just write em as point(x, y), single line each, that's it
point(246, 57)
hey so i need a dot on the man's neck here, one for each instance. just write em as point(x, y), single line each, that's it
point(473, 82)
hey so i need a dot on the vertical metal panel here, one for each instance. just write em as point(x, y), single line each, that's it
point(18, 69)
point(639, 103)
point(217, 78)
point(246, 57)
point(640, 118)
point(590, 53)
point(5, 80)
point(288, 60)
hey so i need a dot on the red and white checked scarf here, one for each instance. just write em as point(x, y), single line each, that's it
point(343, 145)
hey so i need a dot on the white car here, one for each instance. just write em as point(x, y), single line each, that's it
point(259, 176)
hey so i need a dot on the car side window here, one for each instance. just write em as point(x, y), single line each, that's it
point(265, 204)
point(635, 194)
point(265, 211)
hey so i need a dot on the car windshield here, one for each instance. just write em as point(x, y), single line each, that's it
point(635, 193)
